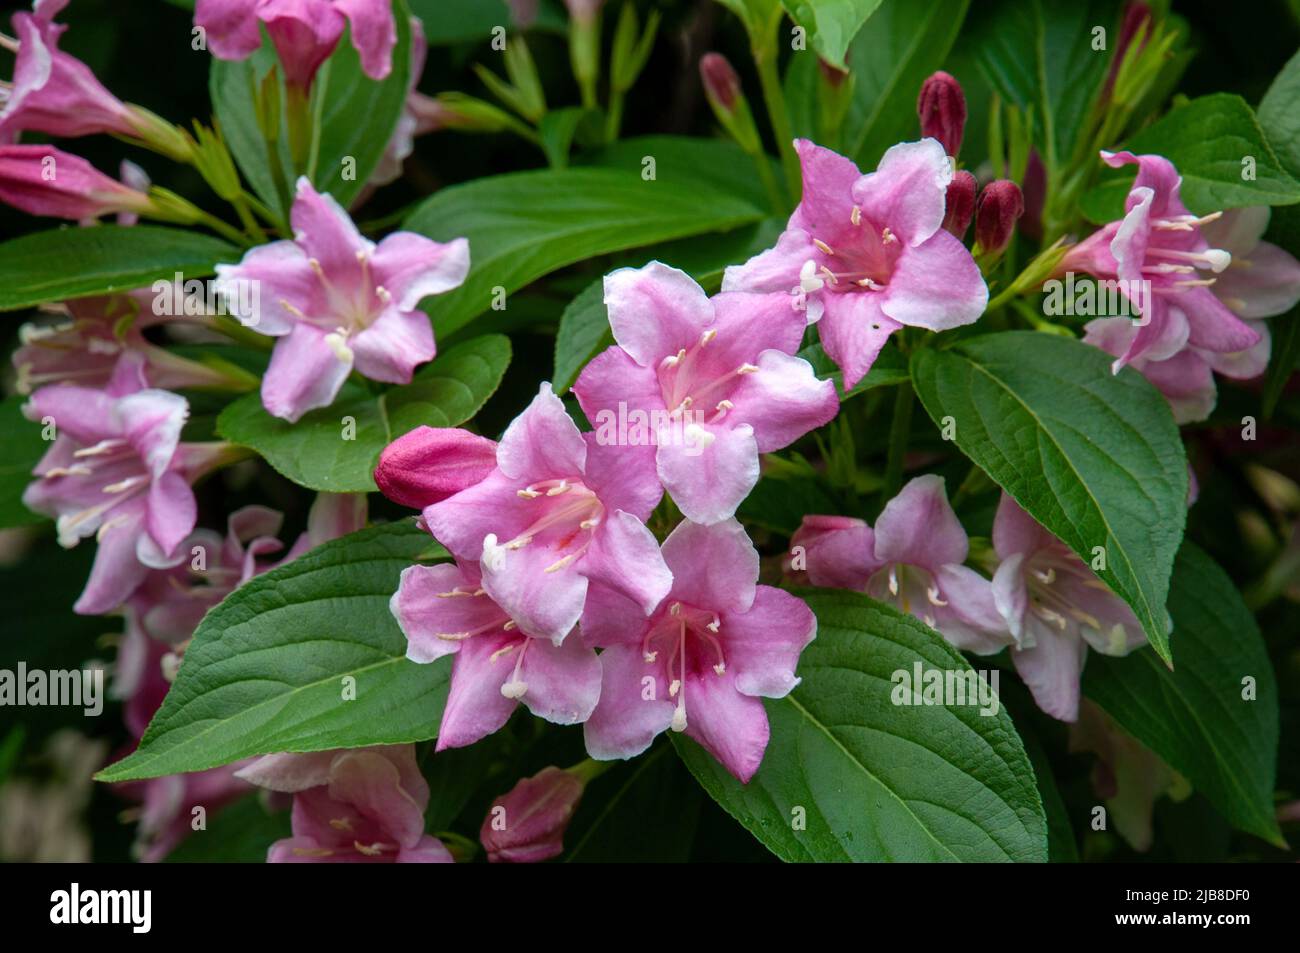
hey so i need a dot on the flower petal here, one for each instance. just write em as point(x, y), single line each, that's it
point(305, 373)
point(543, 442)
point(918, 527)
point(712, 472)
point(763, 644)
point(655, 311)
point(625, 721)
point(936, 285)
point(783, 400)
point(393, 345)
point(713, 567)
point(908, 191)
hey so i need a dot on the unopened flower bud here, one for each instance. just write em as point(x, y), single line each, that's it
point(999, 206)
point(942, 110)
point(43, 180)
point(430, 464)
point(721, 84)
point(1136, 16)
point(960, 203)
point(527, 825)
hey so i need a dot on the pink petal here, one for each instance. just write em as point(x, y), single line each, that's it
point(1010, 594)
point(763, 644)
point(774, 270)
point(838, 551)
point(305, 373)
point(374, 34)
point(116, 572)
point(918, 527)
point(1212, 326)
point(371, 781)
point(232, 27)
point(544, 604)
point(610, 618)
point(625, 722)
point(493, 505)
point(1244, 365)
point(709, 476)
point(1052, 669)
point(907, 192)
point(783, 400)
point(936, 285)
point(289, 773)
point(151, 421)
point(612, 382)
point(623, 477)
point(1187, 381)
point(428, 616)
point(714, 568)
point(730, 726)
point(1015, 532)
point(411, 267)
point(172, 512)
point(827, 204)
point(325, 232)
point(655, 311)
point(853, 331)
point(970, 599)
point(83, 413)
point(543, 442)
point(271, 288)
point(475, 706)
point(393, 345)
point(625, 557)
point(1265, 284)
point(429, 850)
point(563, 681)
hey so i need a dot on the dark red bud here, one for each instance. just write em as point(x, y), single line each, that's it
point(430, 464)
point(1035, 189)
point(960, 203)
point(527, 824)
point(721, 83)
point(1000, 205)
point(942, 110)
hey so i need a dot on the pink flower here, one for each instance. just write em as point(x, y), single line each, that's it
point(715, 646)
point(338, 301)
point(913, 560)
point(166, 813)
point(1262, 279)
point(357, 806)
point(95, 336)
point(710, 382)
point(1157, 253)
point(305, 32)
point(869, 252)
point(527, 824)
point(43, 180)
point(444, 610)
point(1056, 607)
point(430, 464)
point(117, 471)
point(53, 92)
point(559, 511)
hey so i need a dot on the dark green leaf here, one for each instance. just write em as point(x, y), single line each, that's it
point(23, 450)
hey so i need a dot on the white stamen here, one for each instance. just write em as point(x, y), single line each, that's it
point(933, 595)
point(338, 342)
point(494, 556)
point(808, 280)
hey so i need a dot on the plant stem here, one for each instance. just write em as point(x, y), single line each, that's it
point(765, 60)
point(614, 116)
point(900, 429)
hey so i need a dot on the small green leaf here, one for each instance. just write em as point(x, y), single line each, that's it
point(1095, 457)
point(832, 24)
point(77, 262)
point(851, 776)
point(335, 449)
point(272, 667)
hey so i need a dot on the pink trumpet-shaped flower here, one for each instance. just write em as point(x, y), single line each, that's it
point(444, 610)
point(710, 382)
point(53, 92)
point(913, 560)
point(716, 645)
point(305, 32)
point(338, 301)
point(526, 825)
point(1158, 255)
point(356, 806)
point(559, 511)
point(430, 464)
point(117, 471)
point(43, 180)
point(869, 253)
point(1056, 608)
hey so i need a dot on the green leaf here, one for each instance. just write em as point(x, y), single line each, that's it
point(266, 669)
point(832, 24)
point(1283, 230)
point(24, 448)
point(360, 114)
point(780, 504)
point(1279, 115)
point(557, 129)
point(1195, 717)
point(584, 332)
point(1096, 458)
point(524, 225)
point(879, 781)
point(240, 833)
point(1039, 56)
point(232, 85)
point(644, 812)
point(907, 41)
point(460, 21)
point(315, 452)
point(76, 262)
point(1209, 139)
point(890, 368)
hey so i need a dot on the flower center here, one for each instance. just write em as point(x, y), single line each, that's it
point(116, 469)
point(692, 640)
point(912, 589)
point(1179, 267)
point(864, 261)
point(689, 381)
point(567, 516)
point(1047, 576)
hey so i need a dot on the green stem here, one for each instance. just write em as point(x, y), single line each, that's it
point(614, 117)
point(770, 184)
point(224, 229)
point(900, 429)
point(774, 98)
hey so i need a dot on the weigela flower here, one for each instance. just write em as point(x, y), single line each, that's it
point(869, 253)
point(91, 336)
point(305, 32)
point(53, 92)
point(166, 812)
point(715, 646)
point(709, 382)
point(444, 610)
point(338, 301)
point(1157, 254)
point(527, 824)
point(118, 471)
point(1261, 281)
point(429, 464)
point(1056, 607)
point(912, 559)
point(356, 806)
point(43, 180)
point(558, 511)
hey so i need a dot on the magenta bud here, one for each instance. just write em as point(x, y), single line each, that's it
point(942, 110)
point(430, 464)
point(1000, 205)
point(43, 180)
point(721, 84)
point(527, 825)
point(960, 203)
